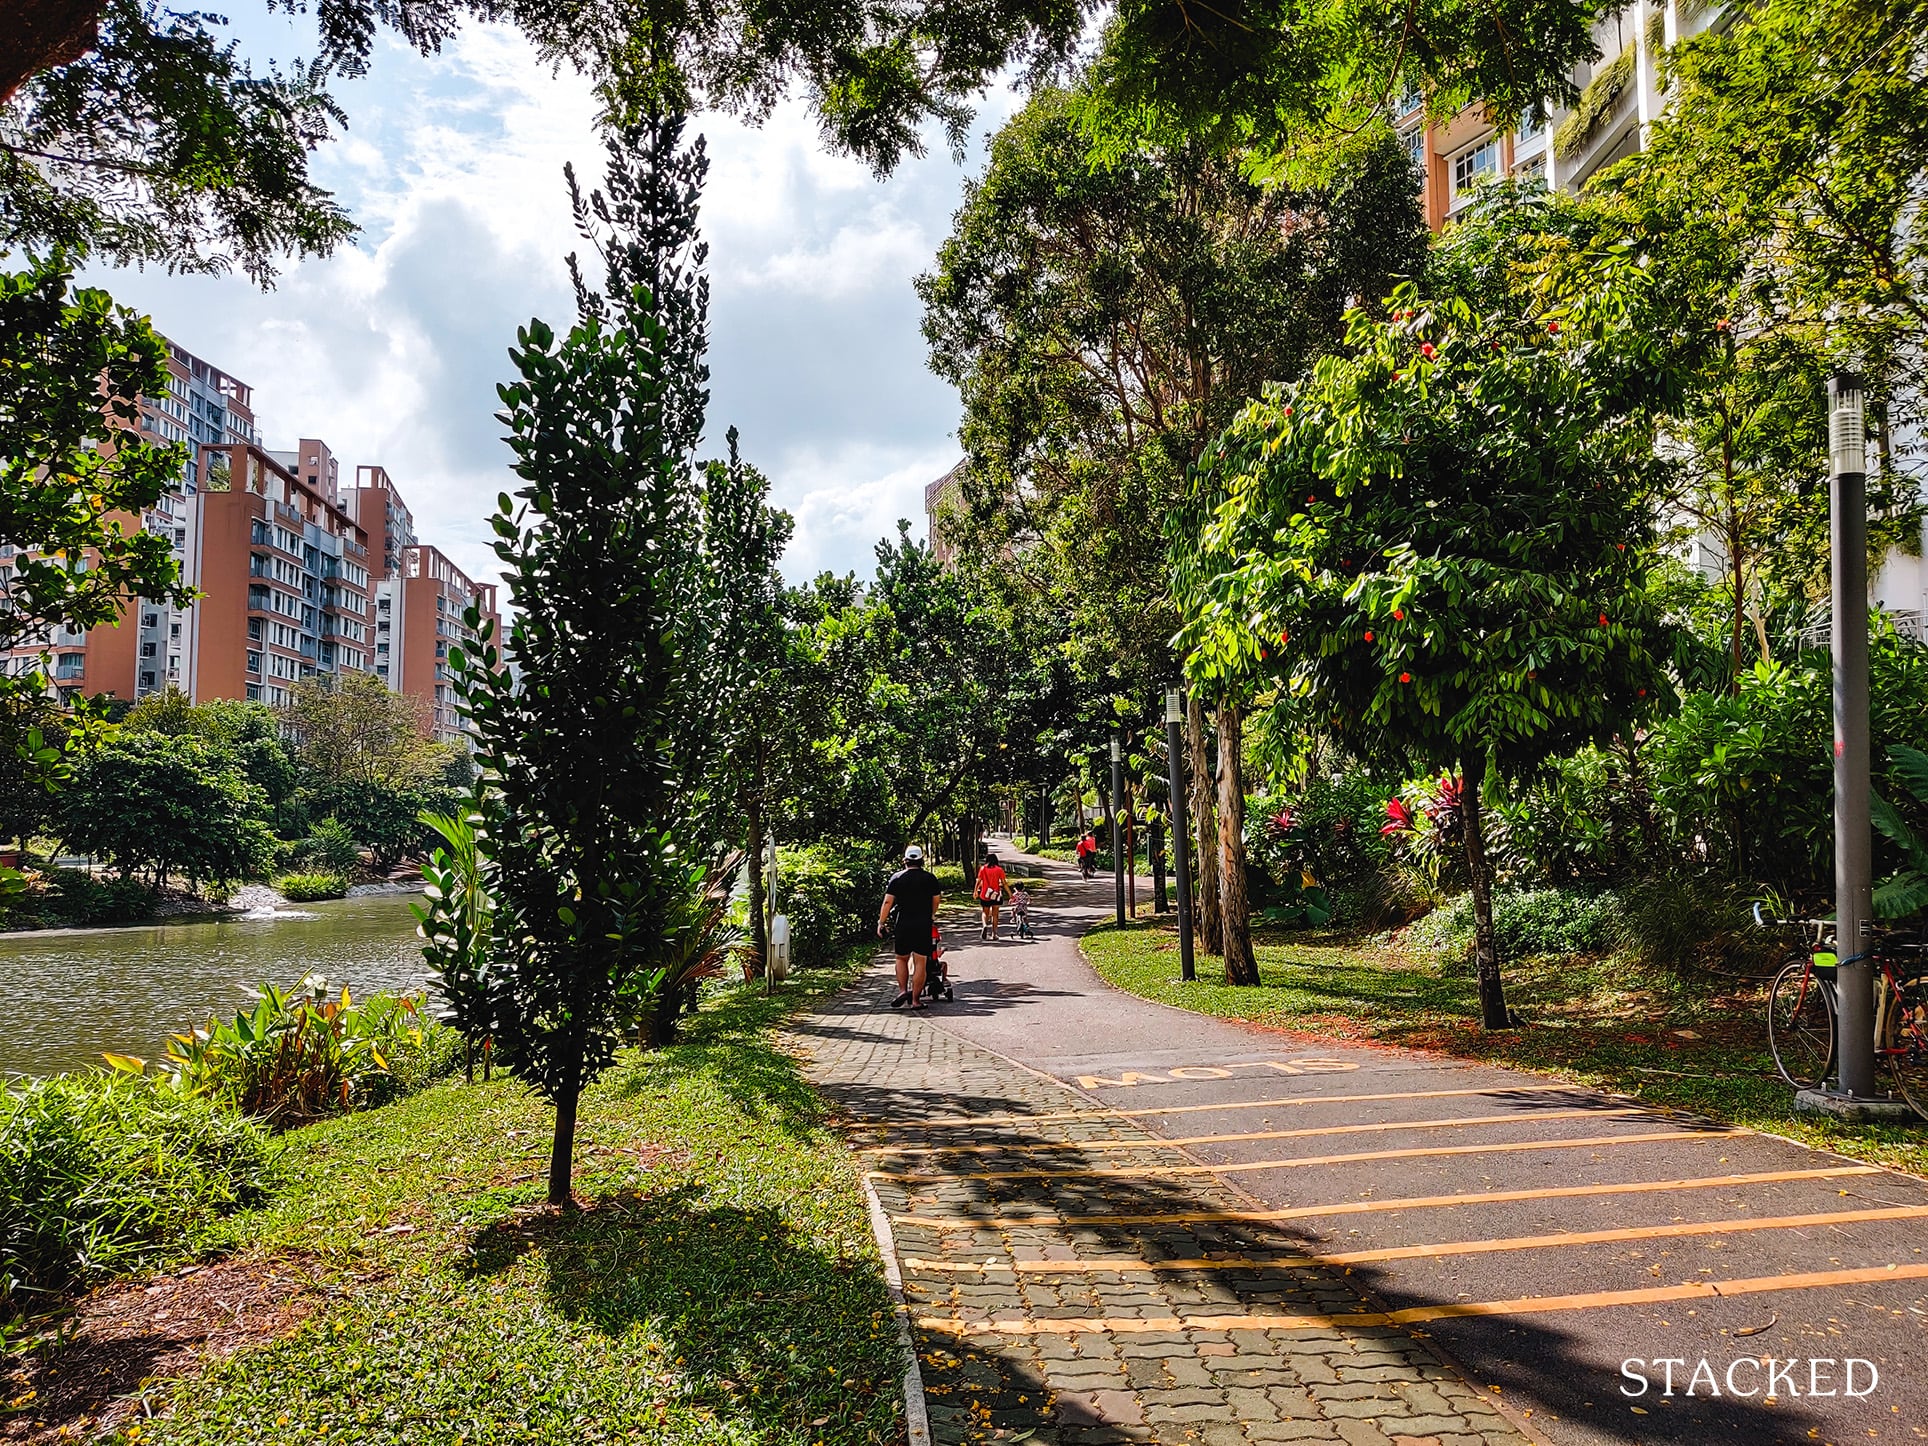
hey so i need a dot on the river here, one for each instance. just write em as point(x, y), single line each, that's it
point(69, 996)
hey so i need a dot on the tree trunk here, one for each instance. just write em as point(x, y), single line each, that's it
point(36, 35)
point(1486, 952)
point(1241, 967)
point(562, 1156)
point(1205, 829)
point(759, 940)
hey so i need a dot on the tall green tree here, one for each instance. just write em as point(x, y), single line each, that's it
point(167, 805)
point(605, 552)
point(1438, 542)
point(1102, 325)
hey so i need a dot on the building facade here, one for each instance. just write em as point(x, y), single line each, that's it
point(419, 616)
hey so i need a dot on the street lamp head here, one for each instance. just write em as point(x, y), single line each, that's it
point(1847, 430)
point(1174, 706)
point(1117, 751)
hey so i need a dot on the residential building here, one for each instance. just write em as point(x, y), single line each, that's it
point(283, 572)
point(942, 498)
point(378, 507)
point(419, 616)
point(1620, 97)
point(199, 406)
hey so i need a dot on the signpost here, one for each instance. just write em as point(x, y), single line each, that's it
point(1181, 827)
point(1119, 863)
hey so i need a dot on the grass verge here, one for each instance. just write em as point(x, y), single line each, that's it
point(1687, 1042)
point(720, 1283)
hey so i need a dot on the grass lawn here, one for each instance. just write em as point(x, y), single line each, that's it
point(720, 1283)
point(1690, 1042)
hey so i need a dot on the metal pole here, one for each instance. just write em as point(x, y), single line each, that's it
point(1853, 841)
point(1118, 860)
point(1181, 828)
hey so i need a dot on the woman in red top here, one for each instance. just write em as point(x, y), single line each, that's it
point(990, 895)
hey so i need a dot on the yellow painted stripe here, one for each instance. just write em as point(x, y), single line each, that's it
point(1153, 1142)
point(1302, 1161)
point(952, 1122)
point(1421, 1314)
point(1562, 1240)
point(1372, 1207)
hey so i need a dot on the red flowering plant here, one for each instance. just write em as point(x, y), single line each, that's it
point(1485, 507)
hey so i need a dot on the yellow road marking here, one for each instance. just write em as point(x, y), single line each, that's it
point(1423, 1252)
point(951, 1122)
point(1302, 1161)
point(1371, 1207)
point(1155, 1142)
point(1420, 1314)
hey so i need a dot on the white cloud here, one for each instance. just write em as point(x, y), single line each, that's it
point(390, 351)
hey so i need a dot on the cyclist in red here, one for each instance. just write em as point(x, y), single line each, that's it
point(1087, 848)
point(990, 895)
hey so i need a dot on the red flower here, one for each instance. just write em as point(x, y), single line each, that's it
point(1288, 411)
point(1427, 351)
point(1284, 638)
point(1553, 327)
point(1723, 324)
point(1643, 692)
point(1280, 823)
point(1399, 615)
point(1395, 376)
point(1405, 677)
point(1401, 817)
point(1310, 499)
point(1603, 620)
point(1620, 546)
point(1368, 637)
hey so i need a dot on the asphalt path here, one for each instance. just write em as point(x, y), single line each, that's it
point(1573, 1252)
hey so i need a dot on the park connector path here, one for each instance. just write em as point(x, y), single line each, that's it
point(1117, 1221)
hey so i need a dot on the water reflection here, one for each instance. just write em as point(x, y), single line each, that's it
point(67, 997)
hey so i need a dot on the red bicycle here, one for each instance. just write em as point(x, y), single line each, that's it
point(1801, 1009)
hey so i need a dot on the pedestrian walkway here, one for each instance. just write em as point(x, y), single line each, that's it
point(1118, 1221)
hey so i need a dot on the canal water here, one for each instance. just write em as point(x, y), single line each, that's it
point(67, 997)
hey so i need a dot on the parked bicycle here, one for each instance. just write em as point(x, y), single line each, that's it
point(1801, 1008)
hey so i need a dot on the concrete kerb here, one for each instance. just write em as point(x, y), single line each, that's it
point(917, 1421)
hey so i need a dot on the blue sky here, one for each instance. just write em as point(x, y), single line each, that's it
point(390, 350)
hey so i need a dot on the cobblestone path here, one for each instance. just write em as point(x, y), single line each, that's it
point(1050, 1311)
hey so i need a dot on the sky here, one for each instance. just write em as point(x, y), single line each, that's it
point(390, 350)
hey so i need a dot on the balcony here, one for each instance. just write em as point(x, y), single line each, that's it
point(1912, 625)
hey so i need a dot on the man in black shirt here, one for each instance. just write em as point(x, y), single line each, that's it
point(912, 890)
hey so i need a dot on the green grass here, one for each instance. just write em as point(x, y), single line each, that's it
point(1687, 1042)
point(719, 1285)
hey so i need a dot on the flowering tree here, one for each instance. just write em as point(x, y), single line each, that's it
point(1438, 542)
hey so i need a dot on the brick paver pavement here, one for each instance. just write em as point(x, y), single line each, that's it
point(1022, 1331)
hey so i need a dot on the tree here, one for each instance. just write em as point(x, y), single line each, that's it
point(246, 730)
point(1102, 326)
point(73, 367)
point(1438, 543)
point(169, 805)
point(354, 729)
point(604, 550)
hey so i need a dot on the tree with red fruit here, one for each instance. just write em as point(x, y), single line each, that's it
point(1466, 586)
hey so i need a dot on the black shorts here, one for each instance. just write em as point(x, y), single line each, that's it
point(911, 941)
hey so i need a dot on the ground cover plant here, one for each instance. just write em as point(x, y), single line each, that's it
point(1678, 1039)
point(718, 1282)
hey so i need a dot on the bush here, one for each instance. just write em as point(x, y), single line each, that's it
point(73, 899)
point(104, 1174)
point(825, 893)
point(1537, 921)
point(332, 848)
point(307, 888)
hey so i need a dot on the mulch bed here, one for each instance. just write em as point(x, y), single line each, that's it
point(86, 1380)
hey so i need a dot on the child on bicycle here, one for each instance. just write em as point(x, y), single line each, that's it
point(1021, 911)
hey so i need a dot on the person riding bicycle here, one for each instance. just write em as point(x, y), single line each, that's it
point(1087, 855)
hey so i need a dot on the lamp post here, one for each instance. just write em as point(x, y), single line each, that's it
point(1853, 842)
point(1117, 857)
point(1181, 827)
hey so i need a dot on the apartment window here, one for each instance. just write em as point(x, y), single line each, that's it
point(1533, 170)
point(254, 692)
point(150, 620)
point(254, 663)
point(147, 680)
point(1474, 164)
point(148, 650)
point(174, 630)
point(1414, 140)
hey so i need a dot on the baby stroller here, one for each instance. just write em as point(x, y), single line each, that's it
point(937, 974)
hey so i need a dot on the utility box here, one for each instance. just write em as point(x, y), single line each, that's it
point(780, 947)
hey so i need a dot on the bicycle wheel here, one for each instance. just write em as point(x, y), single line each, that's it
point(1907, 1042)
point(1800, 1025)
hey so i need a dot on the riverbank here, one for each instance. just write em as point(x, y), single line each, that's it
point(719, 1284)
point(1684, 1041)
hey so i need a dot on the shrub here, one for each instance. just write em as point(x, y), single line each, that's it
point(821, 890)
point(307, 888)
point(331, 848)
point(1537, 921)
point(297, 1056)
point(102, 1174)
point(73, 899)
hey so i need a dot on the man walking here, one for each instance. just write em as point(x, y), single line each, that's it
point(912, 891)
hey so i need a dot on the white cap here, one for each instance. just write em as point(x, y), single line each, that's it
point(913, 855)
